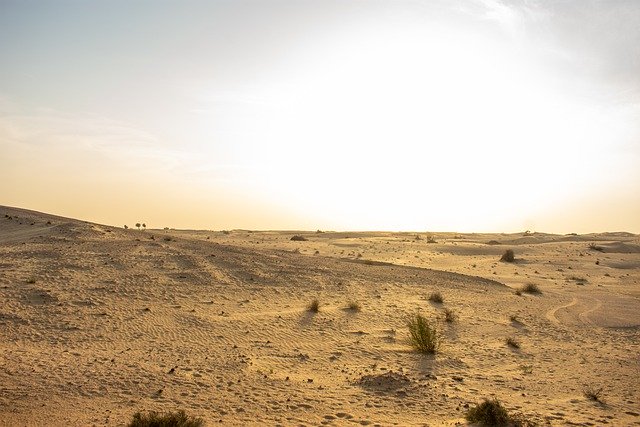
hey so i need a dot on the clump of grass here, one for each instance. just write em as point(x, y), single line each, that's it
point(354, 306)
point(512, 342)
point(488, 413)
point(314, 306)
point(299, 238)
point(423, 337)
point(526, 369)
point(593, 393)
point(508, 256)
point(531, 288)
point(168, 419)
point(436, 297)
point(449, 315)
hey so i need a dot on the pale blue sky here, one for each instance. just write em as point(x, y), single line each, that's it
point(475, 115)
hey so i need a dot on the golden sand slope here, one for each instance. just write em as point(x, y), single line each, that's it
point(97, 323)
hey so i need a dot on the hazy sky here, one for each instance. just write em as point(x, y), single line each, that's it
point(474, 115)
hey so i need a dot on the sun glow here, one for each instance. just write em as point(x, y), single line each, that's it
point(418, 127)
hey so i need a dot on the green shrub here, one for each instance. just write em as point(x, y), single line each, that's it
point(422, 336)
point(488, 413)
point(168, 419)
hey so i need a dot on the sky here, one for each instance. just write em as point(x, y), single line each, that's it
point(456, 115)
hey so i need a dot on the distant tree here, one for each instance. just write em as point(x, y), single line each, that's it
point(144, 225)
point(138, 225)
point(126, 227)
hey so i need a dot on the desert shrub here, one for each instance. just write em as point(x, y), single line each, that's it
point(531, 288)
point(168, 419)
point(512, 342)
point(449, 315)
point(422, 336)
point(493, 242)
point(299, 238)
point(488, 413)
point(436, 297)
point(431, 239)
point(593, 393)
point(508, 256)
point(314, 306)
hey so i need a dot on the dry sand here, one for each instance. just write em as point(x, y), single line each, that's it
point(98, 322)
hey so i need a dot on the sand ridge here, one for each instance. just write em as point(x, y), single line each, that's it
point(99, 322)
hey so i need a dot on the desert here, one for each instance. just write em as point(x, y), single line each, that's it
point(101, 322)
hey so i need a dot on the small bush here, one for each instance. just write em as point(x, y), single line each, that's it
point(314, 306)
point(531, 288)
point(593, 393)
point(436, 297)
point(422, 336)
point(488, 413)
point(431, 239)
point(508, 256)
point(511, 342)
point(449, 315)
point(299, 238)
point(169, 419)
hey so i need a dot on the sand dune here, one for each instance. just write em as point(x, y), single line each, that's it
point(98, 322)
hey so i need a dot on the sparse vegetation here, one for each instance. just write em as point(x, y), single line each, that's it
point(595, 247)
point(508, 256)
point(593, 393)
point(314, 306)
point(126, 227)
point(531, 288)
point(431, 239)
point(489, 413)
point(449, 315)
point(138, 225)
point(436, 297)
point(168, 419)
point(512, 342)
point(422, 336)
point(299, 238)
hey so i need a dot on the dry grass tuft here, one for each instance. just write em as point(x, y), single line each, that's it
point(593, 393)
point(512, 342)
point(436, 297)
point(168, 419)
point(449, 315)
point(354, 306)
point(531, 288)
point(314, 306)
point(422, 336)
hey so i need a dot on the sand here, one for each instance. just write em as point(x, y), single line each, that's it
point(97, 323)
